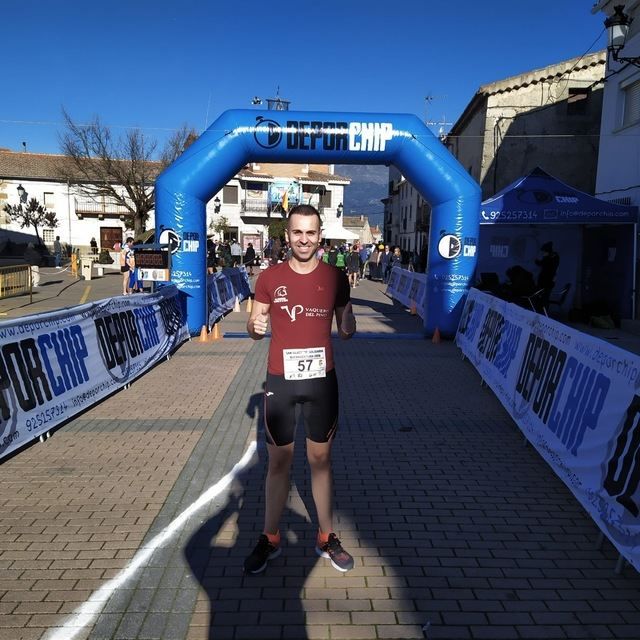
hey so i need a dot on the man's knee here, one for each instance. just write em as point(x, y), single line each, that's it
point(319, 458)
point(280, 459)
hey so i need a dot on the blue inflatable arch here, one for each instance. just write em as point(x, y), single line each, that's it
point(241, 136)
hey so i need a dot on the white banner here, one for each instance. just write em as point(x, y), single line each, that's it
point(408, 287)
point(576, 399)
point(55, 365)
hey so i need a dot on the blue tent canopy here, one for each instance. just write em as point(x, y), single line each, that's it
point(541, 198)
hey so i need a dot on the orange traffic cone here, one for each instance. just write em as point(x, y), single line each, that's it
point(436, 336)
point(203, 333)
point(249, 304)
point(412, 309)
point(236, 306)
point(215, 333)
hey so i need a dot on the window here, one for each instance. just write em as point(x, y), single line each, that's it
point(47, 236)
point(230, 194)
point(577, 101)
point(48, 200)
point(325, 199)
point(631, 113)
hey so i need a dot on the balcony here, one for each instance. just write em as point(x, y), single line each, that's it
point(101, 209)
point(254, 207)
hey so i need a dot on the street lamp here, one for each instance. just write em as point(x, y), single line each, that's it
point(22, 193)
point(216, 205)
point(339, 210)
point(618, 29)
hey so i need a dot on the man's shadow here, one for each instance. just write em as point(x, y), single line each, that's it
point(256, 606)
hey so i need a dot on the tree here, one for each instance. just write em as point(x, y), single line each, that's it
point(121, 170)
point(220, 226)
point(277, 228)
point(33, 214)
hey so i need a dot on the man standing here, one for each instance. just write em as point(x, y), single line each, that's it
point(300, 296)
point(385, 264)
point(57, 252)
point(548, 263)
point(236, 253)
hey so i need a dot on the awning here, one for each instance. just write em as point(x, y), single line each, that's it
point(541, 198)
point(336, 232)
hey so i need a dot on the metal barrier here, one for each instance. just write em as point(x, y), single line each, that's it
point(16, 280)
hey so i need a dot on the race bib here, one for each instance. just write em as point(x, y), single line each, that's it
point(303, 364)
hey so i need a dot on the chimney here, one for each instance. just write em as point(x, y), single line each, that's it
point(361, 218)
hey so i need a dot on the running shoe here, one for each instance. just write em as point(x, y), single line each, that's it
point(332, 549)
point(257, 561)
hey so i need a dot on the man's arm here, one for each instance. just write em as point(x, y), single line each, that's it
point(258, 321)
point(346, 321)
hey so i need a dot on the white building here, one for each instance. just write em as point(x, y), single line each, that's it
point(407, 214)
point(246, 201)
point(618, 173)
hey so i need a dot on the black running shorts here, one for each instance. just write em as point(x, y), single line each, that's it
point(318, 398)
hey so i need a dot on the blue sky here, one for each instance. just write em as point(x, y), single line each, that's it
point(161, 64)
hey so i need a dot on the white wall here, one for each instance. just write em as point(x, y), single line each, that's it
point(619, 155)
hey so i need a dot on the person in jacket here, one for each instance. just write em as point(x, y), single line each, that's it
point(249, 258)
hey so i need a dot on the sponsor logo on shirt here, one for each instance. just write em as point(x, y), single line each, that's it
point(280, 294)
point(294, 311)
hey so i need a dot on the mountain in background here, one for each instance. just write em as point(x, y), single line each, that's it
point(369, 184)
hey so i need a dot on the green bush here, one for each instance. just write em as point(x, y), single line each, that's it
point(104, 257)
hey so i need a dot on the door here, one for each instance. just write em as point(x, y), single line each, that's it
point(109, 236)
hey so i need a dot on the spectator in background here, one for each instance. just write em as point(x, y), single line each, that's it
point(333, 255)
point(385, 264)
point(374, 264)
point(94, 246)
point(57, 252)
point(353, 266)
point(225, 257)
point(364, 256)
point(548, 263)
point(276, 248)
point(211, 255)
point(135, 284)
point(236, 253)
point(250, 258)
point(396, 258)
point(422, 258)
point(126, 262)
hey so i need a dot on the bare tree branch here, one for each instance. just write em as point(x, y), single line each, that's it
point(120, 170)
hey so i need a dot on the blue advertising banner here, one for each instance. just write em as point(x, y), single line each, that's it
point(576, 399)
point(55, 365)
point(279, 188)
point(223, 288)
point(409, 288)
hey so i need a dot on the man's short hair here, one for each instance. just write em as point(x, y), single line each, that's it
point(305, 210)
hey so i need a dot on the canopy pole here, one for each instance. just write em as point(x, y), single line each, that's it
point(635, 271)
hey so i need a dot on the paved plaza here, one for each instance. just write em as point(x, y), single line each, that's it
point(458, 529)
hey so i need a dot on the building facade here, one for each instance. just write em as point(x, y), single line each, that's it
point(618, 173)
point(249, 202)
point(548, 117)
point(407, 215)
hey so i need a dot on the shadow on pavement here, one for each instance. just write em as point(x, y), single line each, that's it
point(255, 606)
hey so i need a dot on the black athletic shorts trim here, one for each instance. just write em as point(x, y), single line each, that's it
point(318, 398)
